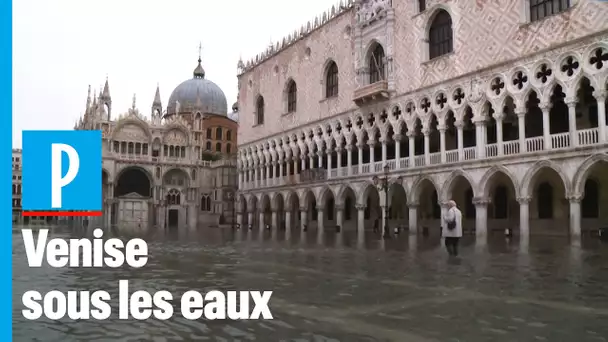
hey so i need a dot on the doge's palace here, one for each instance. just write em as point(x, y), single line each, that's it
point(174, 169)
point(499, 105)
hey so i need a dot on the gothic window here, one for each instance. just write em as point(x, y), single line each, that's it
point(193, 174)
point(229, 135)
point(292, 96)
point(218, 133)
point(376, 65)
point(545, 201)
point(205, 203)
point(208, 146)
point(440, 35)
point(208, 133)
point(590, 204)
point(173, 197)
point(331, 80)
point(421, 5)
point(228, 148)
point(259, 114)
point(218, 147)
point(540, 9)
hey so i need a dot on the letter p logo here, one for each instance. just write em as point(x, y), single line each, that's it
point(62, 173)
point(58, 180)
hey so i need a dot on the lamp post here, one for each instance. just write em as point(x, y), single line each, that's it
point(382, 184)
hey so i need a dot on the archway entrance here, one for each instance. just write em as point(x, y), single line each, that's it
point(398, 211)
point(373, 212)
point(503, 209)
point(429, 210)
point(595, 195)
point(461, 192)
point(133, 191)
point(548, 208)
point(349, 199)
point(173, 218)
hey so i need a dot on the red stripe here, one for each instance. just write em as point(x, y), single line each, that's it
point(62, 213)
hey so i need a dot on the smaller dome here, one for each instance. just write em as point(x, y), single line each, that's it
point(235, 107)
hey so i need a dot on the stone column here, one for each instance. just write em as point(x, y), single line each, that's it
point(427, 146)
point(339, 157)
point(499, 139)
point(372, 154)
point(303, 218)
point(340, 217)
point(311, 160)
point(442, 128)
point(269, 170)
point(572, 122)
point(275, 223)
point(397, 138)
point(303, 163)
point(481, 218)
point(384, 152)
point(600, 97)
point(521, 126)
point(413, 218)
point(239, 219)
point(279, 174)
point(261, 222)
point(250, 218)
point(349, 159)
point(575, 216)
point(360, 152)
point(320, 158)
point(193, 215)
point(524, 217)
point(459, 127)
point(383, 217)
point(411, 135)
point(546, 126)
point(328, 163)
point(320, 220)
point(360, 220)
point(479, 139)
point(288, 220)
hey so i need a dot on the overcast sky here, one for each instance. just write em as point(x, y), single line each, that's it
point(62, 46)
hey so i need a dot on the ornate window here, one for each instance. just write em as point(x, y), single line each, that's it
point(173, 197)
point(421, 5)
point(208, 146)
point(292, 96)
point(228, 135)
point(218, 147)
point(331, 80)
point(259, 114)
point(218, 133)
point(205, 203)
point(440, 35)
point(376, 65)
point(540, 9)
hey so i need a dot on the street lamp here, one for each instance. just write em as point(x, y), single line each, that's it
point(382, 184)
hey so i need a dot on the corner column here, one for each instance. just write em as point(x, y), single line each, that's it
point(524, 217)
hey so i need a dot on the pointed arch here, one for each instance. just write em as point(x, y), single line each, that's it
point(582, 173)
point(484, 183)
point(417, 186)
point(259, 110)
point(323, 195)
point(535, 169)
point(439, 33)
point(331, 78)
point(451, 181)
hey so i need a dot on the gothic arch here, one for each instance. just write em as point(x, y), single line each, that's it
point(341, 191)
point(537, 167)
point(322, 196)
point(274, 201)
point(582, 173)
point(433, 14)
point(364, 191)
point(288, 197)
point(484, 190)
point(450, 181)
point(176, 126)
point(415, 190)
point(177, 170)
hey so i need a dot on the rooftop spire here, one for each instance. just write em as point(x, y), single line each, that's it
point(157, 96)
point(199, 72)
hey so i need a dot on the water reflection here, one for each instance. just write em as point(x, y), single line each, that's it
point(345, 286)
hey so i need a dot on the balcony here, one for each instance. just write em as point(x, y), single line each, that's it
point(371, 92)
point(505, 149)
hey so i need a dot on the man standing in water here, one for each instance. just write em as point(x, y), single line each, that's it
point(452, 228)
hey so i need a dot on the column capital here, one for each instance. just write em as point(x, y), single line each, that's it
point(397, 137)
point(459, 124)
point(339, 207)
point(411, 134)
point(339, 149)
point(304, 209)
point(371, 142)
point(498, 116)
point(570, 102)
point(600, 95)
point(349, 147)
point(360, 207)
point(545, 106)
point(481, 201)
point(442, 128)
point(575, 198)
point(413, 205)
point(520, 112)
point(426, 131)
point(524, 199)
point(320, 209)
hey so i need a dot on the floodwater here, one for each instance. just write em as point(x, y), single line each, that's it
point(328, 289)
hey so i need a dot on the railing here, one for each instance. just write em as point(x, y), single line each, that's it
point(557, 141)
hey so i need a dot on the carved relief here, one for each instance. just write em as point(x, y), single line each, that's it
point(371, 9)
point(175, 137)
point(131, 132)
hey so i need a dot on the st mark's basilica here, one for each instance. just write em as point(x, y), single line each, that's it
point(171, 168)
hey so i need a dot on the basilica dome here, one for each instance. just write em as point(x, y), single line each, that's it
point(198, 94)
